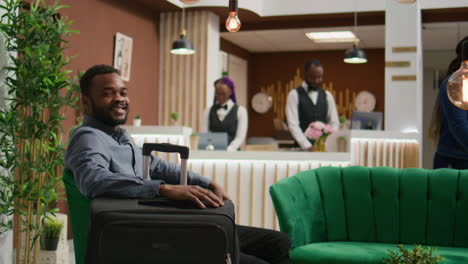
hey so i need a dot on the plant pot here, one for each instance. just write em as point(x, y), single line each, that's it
point(50, 244)
point(137, 122)
point(341, 144)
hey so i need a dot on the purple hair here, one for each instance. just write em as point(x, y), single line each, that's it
point(230, 84)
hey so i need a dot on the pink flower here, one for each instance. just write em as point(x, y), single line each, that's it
point(328, 129)
point(317, 125)
point(313, 133)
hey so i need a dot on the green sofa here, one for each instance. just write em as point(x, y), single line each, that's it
point(355, 214)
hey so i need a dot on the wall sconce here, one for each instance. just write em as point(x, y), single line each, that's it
point(182, 46)
point(233, 23)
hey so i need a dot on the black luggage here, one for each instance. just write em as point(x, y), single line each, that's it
point(159, 230)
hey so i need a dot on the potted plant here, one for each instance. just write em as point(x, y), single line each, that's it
point(174, 118)
point(193, 141)
point(418, 255)
point(51, 230)
point(343, 123)
point(137, 120)
point(31, 148)
point(341, 144)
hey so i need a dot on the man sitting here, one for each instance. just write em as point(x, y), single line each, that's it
point(106, 162)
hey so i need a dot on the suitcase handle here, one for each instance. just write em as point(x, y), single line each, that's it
point(166, 147)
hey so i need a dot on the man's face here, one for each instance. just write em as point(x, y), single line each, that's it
point(314, 76)
point(222, 93)
point(108, 100)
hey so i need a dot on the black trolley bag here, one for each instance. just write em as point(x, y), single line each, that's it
point(160, 230)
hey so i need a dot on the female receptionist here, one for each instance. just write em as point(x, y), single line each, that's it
point(226, 115)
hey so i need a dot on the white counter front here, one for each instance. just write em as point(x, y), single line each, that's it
point(247, 177)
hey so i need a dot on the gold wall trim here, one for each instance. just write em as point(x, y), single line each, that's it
point(397, 64)
point(404, 78)
point(404, 49)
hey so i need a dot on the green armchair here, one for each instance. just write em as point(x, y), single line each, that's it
point(80, 208)
point(355, 214)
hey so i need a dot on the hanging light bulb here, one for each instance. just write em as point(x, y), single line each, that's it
point(233, 23)
point(457, 88)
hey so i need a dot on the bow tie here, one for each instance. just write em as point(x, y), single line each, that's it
point(221, 106)
point(310, 88)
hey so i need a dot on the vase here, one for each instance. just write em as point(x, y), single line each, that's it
point(319, 145)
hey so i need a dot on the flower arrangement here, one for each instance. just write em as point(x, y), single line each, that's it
point(317, 133)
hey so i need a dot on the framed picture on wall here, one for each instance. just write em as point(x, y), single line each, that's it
point(123, 55)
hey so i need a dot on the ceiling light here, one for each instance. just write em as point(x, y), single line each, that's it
point(190, 2)
point(182, 46)
point(332, 36)
point(457, 88)
point(233, 23)
point(406, 1)
point(355, 55)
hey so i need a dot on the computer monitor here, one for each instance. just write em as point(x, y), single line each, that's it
point(366, 120)
point(212, 141)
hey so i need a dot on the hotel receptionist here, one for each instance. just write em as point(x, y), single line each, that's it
point(226, 115)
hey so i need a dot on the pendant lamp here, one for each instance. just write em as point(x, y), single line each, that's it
point(355, 55)
point(457, 86)
point(182, 46)
point(233, 23)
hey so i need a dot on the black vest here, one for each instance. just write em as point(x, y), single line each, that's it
point(228, 125)
point(310, 112)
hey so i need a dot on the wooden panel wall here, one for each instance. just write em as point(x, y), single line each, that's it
point(267, 69)
point(183, 78)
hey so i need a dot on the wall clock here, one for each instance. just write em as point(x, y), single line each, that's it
point(365, 101)
point(261, 102)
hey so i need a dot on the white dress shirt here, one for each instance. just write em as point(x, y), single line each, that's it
point(293, 116)
point(242, 121)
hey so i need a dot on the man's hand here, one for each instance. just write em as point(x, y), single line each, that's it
point(311, 148)
point(193, 193)
point(218, 190)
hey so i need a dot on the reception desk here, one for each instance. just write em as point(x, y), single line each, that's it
point(247, 175)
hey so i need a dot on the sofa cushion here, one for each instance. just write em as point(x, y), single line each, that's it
point(362, 253)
